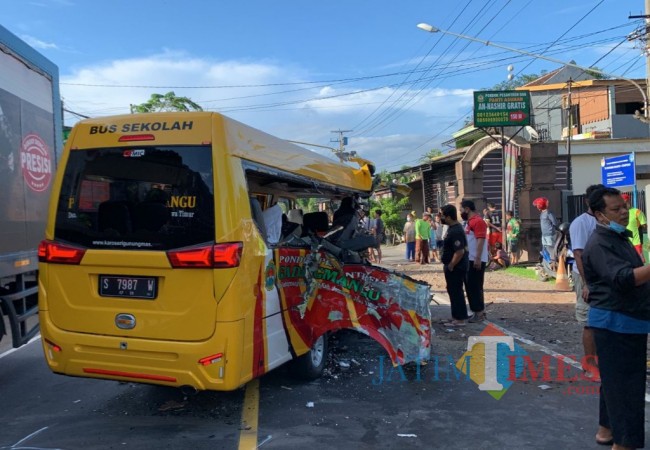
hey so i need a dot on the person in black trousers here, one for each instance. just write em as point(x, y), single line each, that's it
point(619, 315)
point(455, 264)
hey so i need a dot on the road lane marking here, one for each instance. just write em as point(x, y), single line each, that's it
point(537, 346)
point(249, 417)
point(27, 438)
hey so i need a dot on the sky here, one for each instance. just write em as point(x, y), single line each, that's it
point(303, 70)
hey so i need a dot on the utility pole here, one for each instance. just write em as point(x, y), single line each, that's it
point(569, 175)
point(647, 49)
point(645, 37)
point(342, 140)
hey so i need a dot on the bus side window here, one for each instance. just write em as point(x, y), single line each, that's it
point(258, 218)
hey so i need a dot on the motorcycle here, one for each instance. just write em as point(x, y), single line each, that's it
point(547, 267)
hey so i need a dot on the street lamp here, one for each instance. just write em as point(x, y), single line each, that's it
point(646, 114)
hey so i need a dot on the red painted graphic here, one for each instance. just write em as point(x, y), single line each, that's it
point(320, 294)
point(36, 163)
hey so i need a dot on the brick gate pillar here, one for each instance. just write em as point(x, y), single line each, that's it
point(539, 170)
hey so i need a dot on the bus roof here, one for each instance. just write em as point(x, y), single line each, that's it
point(243, 141)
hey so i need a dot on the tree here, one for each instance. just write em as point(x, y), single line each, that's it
point(526, 78)
point(516, 82)
point(386, 177)
point(392, 210)
point(433, 153)
point(167, 102)
point(597, 75)
point(307, 204)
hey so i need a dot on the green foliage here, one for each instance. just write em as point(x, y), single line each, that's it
point(386, 177)
point(597, 75)
point(167, 102)
point(523, 79)
point(392, 213)
point(433, 153)
point(307, 204)
point(516, 82)
point(523, 272)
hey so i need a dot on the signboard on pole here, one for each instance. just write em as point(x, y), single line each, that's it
point(618, 171)
point(501, 108)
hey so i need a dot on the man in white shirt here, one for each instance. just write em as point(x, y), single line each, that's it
point(273, 221)
point(581, 229)
point(476, 231)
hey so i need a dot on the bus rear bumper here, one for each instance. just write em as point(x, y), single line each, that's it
point(203, 365)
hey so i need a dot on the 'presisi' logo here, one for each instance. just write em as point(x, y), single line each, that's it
point(36, 163)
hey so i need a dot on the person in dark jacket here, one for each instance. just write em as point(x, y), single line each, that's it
point(455, 263)
point(619, 314)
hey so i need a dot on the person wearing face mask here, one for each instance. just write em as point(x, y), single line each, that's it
point(619, 315)
point(455, 264)
point(476, 231)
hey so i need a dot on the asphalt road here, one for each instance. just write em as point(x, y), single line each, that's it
point(360, 402)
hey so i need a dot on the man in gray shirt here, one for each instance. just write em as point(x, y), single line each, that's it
point(548, 224)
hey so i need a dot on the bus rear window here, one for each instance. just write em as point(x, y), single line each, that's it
point(149, 198)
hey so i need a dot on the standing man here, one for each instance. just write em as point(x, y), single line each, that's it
point(513, 228)
point(369, 225)
point(439, 235)
point(422, 236)
point(379, 231)
point(637, 225)
point(364, 221)
point(619, 314)
point(409, 238)
point(581, 229)
point(488, 222)
point(455, 264)
point(433, 254)
point(476, 231)
point(548, 224)
point(495, 233)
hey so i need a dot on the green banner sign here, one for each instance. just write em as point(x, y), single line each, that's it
point(501, 108)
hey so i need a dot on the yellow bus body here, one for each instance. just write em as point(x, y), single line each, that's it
point(200, 329)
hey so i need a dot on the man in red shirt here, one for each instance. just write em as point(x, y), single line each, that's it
point(476, 231)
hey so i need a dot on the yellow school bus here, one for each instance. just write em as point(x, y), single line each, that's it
point(166, 259)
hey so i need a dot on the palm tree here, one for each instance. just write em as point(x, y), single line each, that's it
point(167, 102)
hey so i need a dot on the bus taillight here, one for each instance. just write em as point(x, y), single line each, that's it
point(52, 252)
point(227, 255)
point(218, 256)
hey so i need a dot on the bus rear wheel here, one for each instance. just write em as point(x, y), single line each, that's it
point(310, 366)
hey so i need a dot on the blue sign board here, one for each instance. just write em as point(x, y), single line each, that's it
point(618, 171)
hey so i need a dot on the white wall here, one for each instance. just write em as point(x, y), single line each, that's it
point(586, 156)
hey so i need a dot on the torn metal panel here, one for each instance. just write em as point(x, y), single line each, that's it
point(321, 294)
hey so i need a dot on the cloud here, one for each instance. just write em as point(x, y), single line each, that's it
point(274, 97)
point(37, 43)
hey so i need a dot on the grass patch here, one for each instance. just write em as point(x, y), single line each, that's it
point(522, 272)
